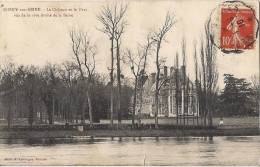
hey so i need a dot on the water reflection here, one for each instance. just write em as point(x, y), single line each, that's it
point(93, 140)
point(157, 139)
point(136, 150)
point(238, 138)
point(51, 141)
point(139, 138)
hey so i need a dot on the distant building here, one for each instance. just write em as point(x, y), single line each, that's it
point(177, 95)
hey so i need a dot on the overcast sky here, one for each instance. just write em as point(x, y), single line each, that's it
point(40, 40)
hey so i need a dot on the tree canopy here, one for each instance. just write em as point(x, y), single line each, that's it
point(236, 98)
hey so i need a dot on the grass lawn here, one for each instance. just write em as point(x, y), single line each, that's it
point(228, 121)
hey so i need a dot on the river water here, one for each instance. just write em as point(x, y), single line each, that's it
point(227, 150)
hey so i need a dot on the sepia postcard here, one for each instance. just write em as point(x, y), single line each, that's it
point(129, 83)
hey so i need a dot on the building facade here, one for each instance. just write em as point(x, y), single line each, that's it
point(177, 94)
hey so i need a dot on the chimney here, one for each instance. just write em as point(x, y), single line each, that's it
point(183, 73)
point(153, 77)
point(171, 71)
point(165, 71)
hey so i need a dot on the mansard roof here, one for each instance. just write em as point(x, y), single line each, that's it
point(166, 80)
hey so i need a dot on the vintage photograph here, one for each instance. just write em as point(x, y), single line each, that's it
point(129, 83)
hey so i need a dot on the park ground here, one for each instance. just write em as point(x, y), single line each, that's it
point(229, 122)
point(233, 126)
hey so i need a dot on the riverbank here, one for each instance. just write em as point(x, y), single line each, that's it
point(13, 134)
point(244, 126)
point(175, 132)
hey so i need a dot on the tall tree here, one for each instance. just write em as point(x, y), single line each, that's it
point(7, 90)
point(177, 91)
point(48, 89)
point(112, 20)
point(68, 74)
point(158, 37)
point(135, 60)
point(209, 75)
point(146, 50)
point(31, 80)
point(84, 52)
point(183, 81)
point(197, 87)
point(236, 96)
point(256, 89)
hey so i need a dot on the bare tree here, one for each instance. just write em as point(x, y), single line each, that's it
point(31, 80)
point(183, 82)
point(158, 37)
point(112, 20)
point(84, 52)
point(177, 91)
point(8, 89)
point(118, 35)
point(135, 61)
point(68, 72)
point(209, 75)
point(197, 84)
point(203, 83)
point(256, 88)
point(138, 63)
point(146, 50)
point(48, 90)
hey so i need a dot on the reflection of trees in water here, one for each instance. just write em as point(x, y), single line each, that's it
point(208, 150)
point(139, 138)
point(184, 140)
point(40, 141)
point(238, 138)
point(8, 141)
point(52, 141)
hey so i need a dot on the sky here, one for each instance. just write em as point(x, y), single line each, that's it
point(32, 40)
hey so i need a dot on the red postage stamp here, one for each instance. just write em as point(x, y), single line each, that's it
point(237, 29)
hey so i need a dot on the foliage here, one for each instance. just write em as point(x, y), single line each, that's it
point(53, 94)
point(236, 98)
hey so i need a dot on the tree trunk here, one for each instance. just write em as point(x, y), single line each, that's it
point(141, 106)
point(90, 109)
point(53, 109)
point(157, 85)
point(142, 87)
point(9, 116)
point(70, 117)
point(183, 105)
point(210, 106)
point(198, 110)
point(177, 94)
point(30, 120)
point(50, 116)
point(134, 103)
point(112, 83)
point(205, 115)
point(41, 116)
point(83, 110)
point(119, 82)
point(156, 108)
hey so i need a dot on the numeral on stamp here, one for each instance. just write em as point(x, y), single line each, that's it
point(237, 29)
